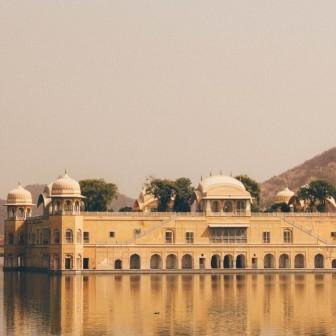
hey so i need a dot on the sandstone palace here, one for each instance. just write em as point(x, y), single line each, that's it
point(221, 234)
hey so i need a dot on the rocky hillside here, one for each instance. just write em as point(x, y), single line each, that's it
point(322, 166)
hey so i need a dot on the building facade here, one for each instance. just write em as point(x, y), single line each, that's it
point(221, 235)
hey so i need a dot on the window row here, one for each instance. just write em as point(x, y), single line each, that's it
point(287, 236)
point(228, 206)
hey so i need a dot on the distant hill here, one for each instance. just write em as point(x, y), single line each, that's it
point(322, 166)
point(37, 189)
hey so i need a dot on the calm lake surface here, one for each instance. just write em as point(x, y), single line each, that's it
point(263, 304)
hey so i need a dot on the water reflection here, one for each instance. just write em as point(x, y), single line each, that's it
point(270, 304)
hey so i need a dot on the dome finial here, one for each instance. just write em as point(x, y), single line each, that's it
point(201, 178)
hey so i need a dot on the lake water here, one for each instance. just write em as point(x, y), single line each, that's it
point(221, 304)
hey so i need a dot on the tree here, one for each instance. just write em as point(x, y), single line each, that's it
point(253, 188)
point(126, 209)
point(282, 207)
point(184, 195)
point(98, 193)
point(163, 190)
point(177, 195)
point(316, 193)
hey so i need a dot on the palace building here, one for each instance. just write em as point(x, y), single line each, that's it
point(222, 234)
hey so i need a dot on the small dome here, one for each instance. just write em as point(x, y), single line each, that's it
point(65, 186)
point(222, 187)
point(221, 180)
point(284, 196)
point(19, 196)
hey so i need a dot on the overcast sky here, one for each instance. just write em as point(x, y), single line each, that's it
point(126, 89)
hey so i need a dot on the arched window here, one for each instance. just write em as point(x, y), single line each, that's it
point(68, 207)
point(57, 207)
point(156, 261)
point(215, 261)
point(240, 261)
point(187, 261)
point(45, 236)
point(269, 261)
point(333, 263)
point(68, 236)
point(118, 264)
point(135, 261)
point(241, 205)
point(68, 264)
point(228, 261)
point(228, 206)
point(215, 206)
point(299, 261)
point(21, 213)
point(79, 236)
point(319, 261)
point(284, 261)
point(77, 207)
point(11, 213)
point(56, 236)
point(171, 261)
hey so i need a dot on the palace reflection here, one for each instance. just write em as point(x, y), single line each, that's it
point(241, 304)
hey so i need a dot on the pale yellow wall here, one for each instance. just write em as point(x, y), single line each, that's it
point(103, 251)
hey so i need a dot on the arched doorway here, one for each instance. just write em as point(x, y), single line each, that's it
point(228, 261)
point(135, 261)
point(171, 261)
point(156, 262)
point(118, 264)
point(269, 261)
point(319, 261)
point(240, 261)
point(187, 262)
point(299, 261)
point(215, 261)
point(284, 261)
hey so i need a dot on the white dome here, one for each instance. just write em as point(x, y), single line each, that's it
point(65, 186)
point(221, 180)
point(19, 196)
point(284, 196)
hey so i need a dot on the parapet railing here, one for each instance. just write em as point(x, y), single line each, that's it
point(165, 214)
point(198, 214)
point(215, 214)
point(293, 214)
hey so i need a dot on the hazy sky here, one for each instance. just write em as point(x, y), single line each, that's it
point(126, 89)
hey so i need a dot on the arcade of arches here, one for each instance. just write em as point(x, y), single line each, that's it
point(216, 261)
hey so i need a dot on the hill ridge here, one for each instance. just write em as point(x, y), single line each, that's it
point(321, 166)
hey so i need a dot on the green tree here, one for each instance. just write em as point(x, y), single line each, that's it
point(282, 207)
point(316, 193)
point(184, 195)
point(163, 190)
point(126, 209)
point(180, 192)
point(253, 188)
point(98, 193)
